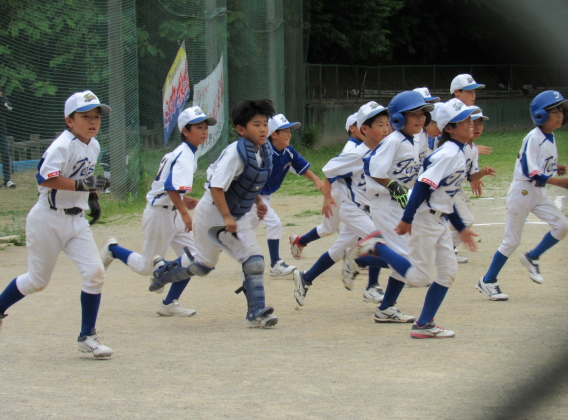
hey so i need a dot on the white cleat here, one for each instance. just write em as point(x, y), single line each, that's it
point(365, 246)
point(492, 290)
point(461, 260)
point(10, 184)
point(175, 309)
point(300, 287)
point(106, 255)
point(295, 247)
point(350, 270)
point(533, 267)
point(92, 344)
point(157, 262)
point(374, 294)
point(430, 330)
point(392, 314)
point(281, 269)
point(264, 321)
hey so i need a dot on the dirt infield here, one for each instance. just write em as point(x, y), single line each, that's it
point(328, 360)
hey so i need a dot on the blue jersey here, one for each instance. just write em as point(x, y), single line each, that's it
point(282, 161)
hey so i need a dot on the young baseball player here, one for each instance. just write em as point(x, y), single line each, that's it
point(535, 168)
point(166, 220)
point(463, 87)
point(284, 157)
point(431, 201)
point(421, 139)
point(235, 180)
point(330, 222)
point(57, 221)
point(354, 212)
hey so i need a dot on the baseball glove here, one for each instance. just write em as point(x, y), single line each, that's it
point(92, 183)
point(398, 193)
point(95, 208)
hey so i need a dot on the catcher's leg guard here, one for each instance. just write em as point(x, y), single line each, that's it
point(172, 272)
point(253, 287)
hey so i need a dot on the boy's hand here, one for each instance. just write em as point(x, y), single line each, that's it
point(488, 170)
point(261, 210)
point(318, 183)
point(190, 202)
point(561, 170)
point(230, 224)
point(403, 228)
point(484, 150)
point(476, 187)
point(328, 204)
point(467, 237)
point(187, 221)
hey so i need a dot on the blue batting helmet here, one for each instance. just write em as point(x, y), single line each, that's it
point(407, 101)
point(542, 102)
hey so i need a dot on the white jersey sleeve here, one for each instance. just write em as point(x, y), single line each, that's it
point(538, 156)
point(471, 159)
point(225, 169)
point(350, 145)
point(68, 157)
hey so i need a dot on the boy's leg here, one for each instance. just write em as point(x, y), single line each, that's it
point(273, 234)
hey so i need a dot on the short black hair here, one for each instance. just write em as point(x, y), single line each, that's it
point(188, 126)
point(248, 109)
point(72, 116)
point(445, 135)
point(369, 122)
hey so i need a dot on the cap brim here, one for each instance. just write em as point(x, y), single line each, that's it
point(427, 107)
point(464, 114)
point(476, 117)
point(209, 120)
point(472, 87)
point(105, 109)
point(432, 99)
point(291, 126)
point(556, 104)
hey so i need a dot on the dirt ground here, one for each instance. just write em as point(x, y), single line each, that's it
point(327, 360)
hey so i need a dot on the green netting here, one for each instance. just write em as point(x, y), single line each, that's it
point(48, 51)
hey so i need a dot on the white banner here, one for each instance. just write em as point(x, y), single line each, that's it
point(209, 94)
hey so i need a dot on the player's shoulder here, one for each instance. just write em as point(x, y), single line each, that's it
point(535, 135)
point(63, 142)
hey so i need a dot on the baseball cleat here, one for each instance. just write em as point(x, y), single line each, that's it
point(301, 287)
point(295, 247)
point(106, 254)
point(10, 184)
point(430, 330)
point(281, 269)
point(492, 290)
point(350, 270)
point(532, 265)
point(366, 246)
point(461, 260)
point(374, 294)
point(392, 314)
point(262, 321)
point(157, 262)
point(174, 309)
point(92, 344)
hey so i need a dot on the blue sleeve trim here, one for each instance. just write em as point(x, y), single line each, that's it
point(40, 179)
point(168, 185)
point(304, 169)
point(456, 220)
point(332, 180)
point(541, 178)
point(524, 164)
point(420, 193)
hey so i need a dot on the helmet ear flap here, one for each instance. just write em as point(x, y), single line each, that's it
point(397, 121)
point(428, 119)
point(540, 117)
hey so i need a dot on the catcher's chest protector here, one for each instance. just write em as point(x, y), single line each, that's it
point(243, 191)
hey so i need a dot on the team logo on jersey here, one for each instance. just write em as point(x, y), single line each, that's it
point(458, 105)
point(374, 105)
point(186, 189)
point(53, 174)
point(89, 97)
point(525, 192)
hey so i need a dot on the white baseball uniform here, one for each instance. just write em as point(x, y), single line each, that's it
point(162, 225)
point(49, 230)
point(354, 211)
point(422, 147)
point(463, 204)
point(431, 241)
point(536, 162)
point(396, 158)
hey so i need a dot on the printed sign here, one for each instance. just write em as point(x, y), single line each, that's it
point(175, 93)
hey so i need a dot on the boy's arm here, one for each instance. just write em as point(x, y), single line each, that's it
point(261, 208)
point(86, 184)
point(218, 195)
point(318, 183)
point(328, 201)
point(178, 202)
point(484, 172)
point(190, 202)
point(420, 192)
point(559, 182)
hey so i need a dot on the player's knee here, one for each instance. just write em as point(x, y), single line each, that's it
point(199, 269)
point(560, 231)
point(254, 265)
point(417, 278)
point(94, 281)
point(30, 283)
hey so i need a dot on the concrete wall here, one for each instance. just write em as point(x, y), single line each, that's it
point(504, 115)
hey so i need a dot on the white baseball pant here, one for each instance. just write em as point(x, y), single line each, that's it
point(356, 224)
point(524, 198)
point(48, 232)
point(330, 225)
point(270, 220)
point(463, 206)
point(162, 228)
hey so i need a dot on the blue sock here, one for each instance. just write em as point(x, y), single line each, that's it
point(311, 236)
point(9, 296)
point(176, 289)
point(322, 264)
point(120, 253)
point(497, 264)
point(370, 261)
point(373, 277)
point(547, 242)
point(274, 250)
point(90, 309)
point(396, 261)
point(434, 298)
point(392, 292)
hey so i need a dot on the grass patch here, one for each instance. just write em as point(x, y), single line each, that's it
point(290, 224)
point(308, 213)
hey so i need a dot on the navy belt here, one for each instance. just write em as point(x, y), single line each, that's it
point(73, 211)
point(432, 211)
point(538, 184)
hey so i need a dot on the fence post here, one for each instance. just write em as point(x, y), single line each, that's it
point(337, 81)
point(379, 81)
